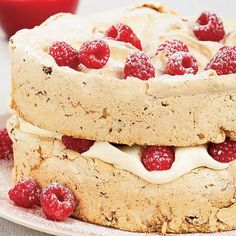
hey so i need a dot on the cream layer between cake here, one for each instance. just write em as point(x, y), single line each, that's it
point(126, 157)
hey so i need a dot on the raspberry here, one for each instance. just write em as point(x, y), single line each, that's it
point(223, 152)
point(6, 150)
point(94, 54)
point(224, 62)
point(57, 202)
point(123, 33)
point(25, 193)
point(77, 144)
point(172, 46)
point(209, 27)
point(158, 157)
point(180, 63)
point(139, 65)
point(64, 54)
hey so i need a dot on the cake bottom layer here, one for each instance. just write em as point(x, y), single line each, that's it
point(203, 200)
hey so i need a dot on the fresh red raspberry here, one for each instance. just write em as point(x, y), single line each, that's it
point(139, 65)
point(57, 202)
point(209, 27)
point(64, 54)
point(171, 46)
point(6, 150)
point(77, 144)
point(94, 54)
point(123, 33)
point(26, 193)
point(180, 63)
point(224, 62)
point(158, 157)
point(223, 152)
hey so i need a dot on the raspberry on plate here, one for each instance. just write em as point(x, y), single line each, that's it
point(25, 193)
point(223, 152)
point(171, 46)
point(57, 202)
point(180, 63)
point(64, 54)
point(209, 27)
point(139, 65)
point(123, 33)
point(158, 158)
point(224, 62)
point(77, 144)
point(94, 54)
point(6, 150)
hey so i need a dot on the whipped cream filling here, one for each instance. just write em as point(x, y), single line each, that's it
point(28, 128)
point(129, 158)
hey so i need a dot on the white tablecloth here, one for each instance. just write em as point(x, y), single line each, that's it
point(91, 6)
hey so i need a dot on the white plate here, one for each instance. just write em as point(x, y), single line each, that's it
point(33, 218)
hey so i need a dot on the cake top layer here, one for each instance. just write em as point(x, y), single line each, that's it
point(153, 25)
point(106, 105)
